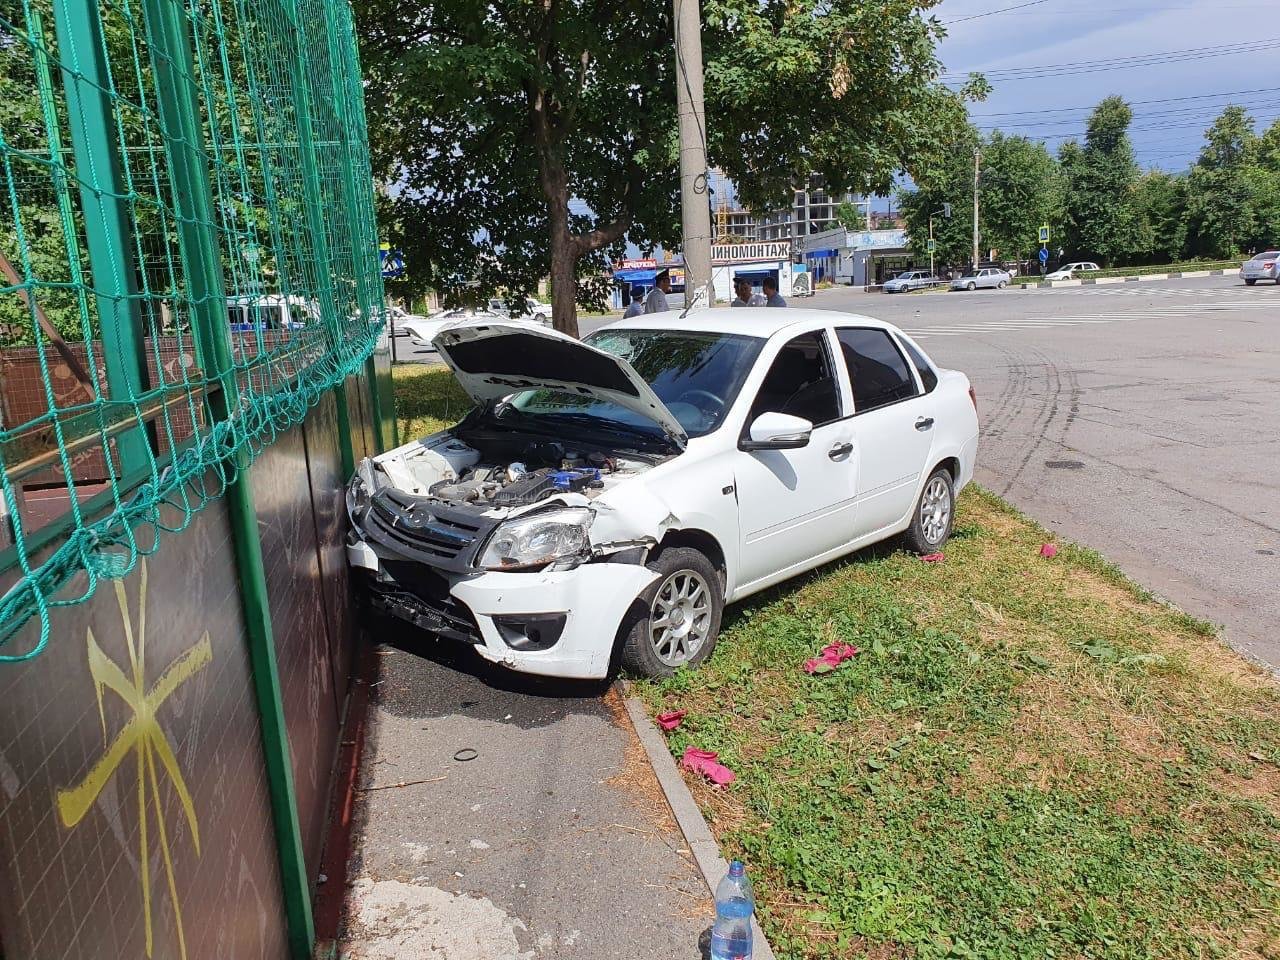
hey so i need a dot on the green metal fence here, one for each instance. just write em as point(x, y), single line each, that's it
point(189, 261)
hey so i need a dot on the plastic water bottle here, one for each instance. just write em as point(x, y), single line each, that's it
point(735, 902)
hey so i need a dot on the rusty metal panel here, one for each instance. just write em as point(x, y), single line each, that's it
point(131, 773)
point(300, 625)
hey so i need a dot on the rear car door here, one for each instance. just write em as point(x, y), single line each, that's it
point(797, 504)
point(893, 420)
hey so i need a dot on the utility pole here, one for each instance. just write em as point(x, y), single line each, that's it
point(695, 214)
point(977, 160)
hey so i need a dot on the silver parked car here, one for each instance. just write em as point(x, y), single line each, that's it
point(1264, 266)
point(910, 280)
point(986, 277)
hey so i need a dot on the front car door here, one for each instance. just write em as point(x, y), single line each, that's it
point(796, 505)
point(893, 420)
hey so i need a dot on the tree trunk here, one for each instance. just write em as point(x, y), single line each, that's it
point(564, 281)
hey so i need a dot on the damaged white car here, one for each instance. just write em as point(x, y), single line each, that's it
point(605, 499)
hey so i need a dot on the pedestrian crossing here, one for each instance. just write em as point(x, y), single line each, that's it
point(1108, 306)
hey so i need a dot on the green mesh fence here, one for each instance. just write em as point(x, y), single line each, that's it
point(188, 261)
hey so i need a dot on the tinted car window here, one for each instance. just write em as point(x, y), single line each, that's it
point(878, 372)
point(800, 382)
point(1268, 255)
point(927, 376)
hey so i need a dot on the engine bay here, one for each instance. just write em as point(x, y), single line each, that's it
point(510, 472)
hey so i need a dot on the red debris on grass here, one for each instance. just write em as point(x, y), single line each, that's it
point(831, 656)
point(932, 558)
point(671, 719)
point(704, 762)
point(1049, 551)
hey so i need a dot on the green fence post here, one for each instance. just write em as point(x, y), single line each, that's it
point(169, 42)
point(86, 81)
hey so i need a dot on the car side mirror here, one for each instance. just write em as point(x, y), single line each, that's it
point(777, 431)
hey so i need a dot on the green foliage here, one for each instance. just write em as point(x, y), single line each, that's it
point(1027, 759)
point(1099, 183)
point(486, 119)
point(1234, 197)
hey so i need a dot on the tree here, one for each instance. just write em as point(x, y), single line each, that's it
point(516, 139)
point(1099, 182)
point(850, 216)
point(1227, 188)
point(1019, 193)
point(953, 185)
point(1160, 202)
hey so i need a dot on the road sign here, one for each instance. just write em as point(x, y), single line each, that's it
point(392, 262)
point(1044, 234)
point(933, 245)
point(1044, 255)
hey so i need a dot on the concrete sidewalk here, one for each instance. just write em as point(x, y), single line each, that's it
point(555, 841)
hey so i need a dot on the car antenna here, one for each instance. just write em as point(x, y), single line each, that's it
point(696, 301)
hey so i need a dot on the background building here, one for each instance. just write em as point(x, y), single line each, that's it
point(860, 258)
point(812, 210)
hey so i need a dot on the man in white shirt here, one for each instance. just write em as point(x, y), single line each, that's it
point(636, 306)
point(771, 296)
point(657, 302)
point(745, 297)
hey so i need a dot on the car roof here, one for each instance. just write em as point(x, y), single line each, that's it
point(761, 322)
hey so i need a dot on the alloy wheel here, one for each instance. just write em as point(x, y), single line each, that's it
point(935, 510)
point(680, 617)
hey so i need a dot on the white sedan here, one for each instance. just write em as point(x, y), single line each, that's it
point(1069, 270)
point(606, 499)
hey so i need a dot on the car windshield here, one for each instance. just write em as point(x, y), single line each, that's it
point(1268, 255)
point(696, 375)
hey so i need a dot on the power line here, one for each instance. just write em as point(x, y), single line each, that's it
point(1132, 103)
point(1117, 63)
point(992, 13)
point(1204, 112)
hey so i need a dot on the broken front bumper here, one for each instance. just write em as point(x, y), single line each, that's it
point(559, 623)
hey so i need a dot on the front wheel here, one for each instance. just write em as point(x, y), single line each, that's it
point(675, 622)
point(934, 514)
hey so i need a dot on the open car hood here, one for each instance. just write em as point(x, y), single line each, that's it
point(495, 360)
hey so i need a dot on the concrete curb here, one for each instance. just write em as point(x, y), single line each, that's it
point(1105, 281)
point(697, 834)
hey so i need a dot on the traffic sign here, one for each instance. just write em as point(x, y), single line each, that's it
point(392, 262)
point(933, 245)
point(1044, 234)
point(1044, 255)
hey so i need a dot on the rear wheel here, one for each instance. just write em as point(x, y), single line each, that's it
point(934, 514)
point(971, 286)
point(1002, 284)
point(1251, 282)
point(675, 622)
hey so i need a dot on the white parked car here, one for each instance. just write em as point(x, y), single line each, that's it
point(1070, 270)
point(1263, 266)
point(911, 280)
point(607, 498)
point(422, 330)
point(987, 277)
point(534, 308)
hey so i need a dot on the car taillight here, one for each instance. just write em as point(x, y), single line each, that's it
point(973, 398)
point(1268, 264)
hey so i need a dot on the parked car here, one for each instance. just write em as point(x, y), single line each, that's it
point(910, 280)
point(1069, 270)
point(397, 318)
point(1263, 266)
point(422, 330)
point(986, 277)
point(534, 308)
point(608, 497)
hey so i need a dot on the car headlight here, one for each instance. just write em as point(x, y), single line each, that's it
point(538, 539)
point(359, 499)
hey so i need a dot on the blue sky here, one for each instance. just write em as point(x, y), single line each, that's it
point(1081, 34)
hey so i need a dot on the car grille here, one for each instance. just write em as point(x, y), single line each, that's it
point(421, 596)
point(419, 528)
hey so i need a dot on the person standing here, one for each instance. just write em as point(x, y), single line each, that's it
point(745, 296)
point(636, 306)
point(657, 302)
point(771, 296)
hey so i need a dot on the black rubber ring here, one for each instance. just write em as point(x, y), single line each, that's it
point(465, 754)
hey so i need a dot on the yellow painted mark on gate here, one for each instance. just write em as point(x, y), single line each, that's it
point(142, 736)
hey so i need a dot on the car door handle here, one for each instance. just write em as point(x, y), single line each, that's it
point(924, 423)
point(840, 451)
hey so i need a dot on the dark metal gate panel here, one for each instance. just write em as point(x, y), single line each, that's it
point(75, 725)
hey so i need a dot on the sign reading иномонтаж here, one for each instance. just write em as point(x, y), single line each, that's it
point(722, 253)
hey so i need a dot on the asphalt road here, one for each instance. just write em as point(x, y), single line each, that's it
point(1140, 419)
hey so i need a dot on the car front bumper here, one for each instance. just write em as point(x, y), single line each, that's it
point(586, 605)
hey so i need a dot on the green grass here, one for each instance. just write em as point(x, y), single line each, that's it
point(1030, 758)
point(1181, 267)
point(428, 399)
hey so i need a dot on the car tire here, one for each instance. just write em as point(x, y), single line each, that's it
point(971, 286)
point(1002, 284)
point(934, 514)
point(1250, 283)
point(685, 576)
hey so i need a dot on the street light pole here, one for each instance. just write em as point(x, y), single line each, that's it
point(695, 213)
point(977, 160)
point(931, 273)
